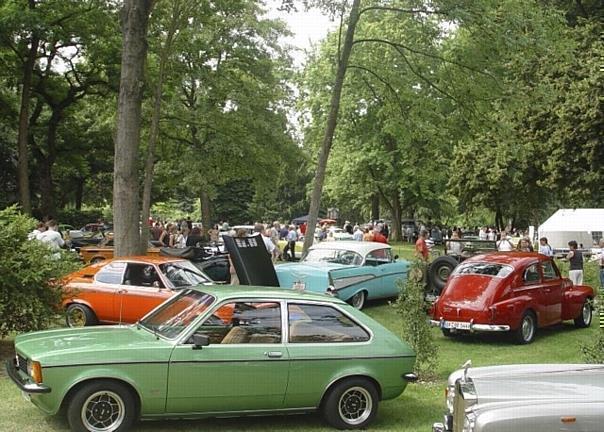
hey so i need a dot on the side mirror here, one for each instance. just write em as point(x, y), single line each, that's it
point(395, 257)
point(199, 341)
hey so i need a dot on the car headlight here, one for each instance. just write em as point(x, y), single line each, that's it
point(34, 370)
point(469, 422)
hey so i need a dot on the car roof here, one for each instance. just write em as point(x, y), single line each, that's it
point(513, 258)
point(362, 248)
point(225, 292)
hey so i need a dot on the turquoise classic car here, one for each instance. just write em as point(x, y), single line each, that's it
point(353, 271)
point(217, 351)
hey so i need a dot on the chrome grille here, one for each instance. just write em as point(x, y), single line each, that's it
point(22, 363)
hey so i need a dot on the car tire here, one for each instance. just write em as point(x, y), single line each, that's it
point(358, 300)
point(525, 333)
point(351, 404)
point(102, 405)
point(585, 316)
point(79, 315)
point(439, 271)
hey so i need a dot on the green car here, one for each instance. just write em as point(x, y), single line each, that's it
point(217, 351)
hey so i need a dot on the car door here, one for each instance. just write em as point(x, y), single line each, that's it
point(552, 291)
point(141, 290)
point(100, 295)
point(532, 288)
point(322, 344)
point(391, 272)
point(383, 284)
point(244, 368)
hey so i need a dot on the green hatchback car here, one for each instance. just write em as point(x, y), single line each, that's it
point(217, 351)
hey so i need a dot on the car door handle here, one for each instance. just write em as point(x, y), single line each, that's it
point(273, 354)
point(122, 291)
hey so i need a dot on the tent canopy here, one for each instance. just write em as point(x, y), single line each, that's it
point(582, 225)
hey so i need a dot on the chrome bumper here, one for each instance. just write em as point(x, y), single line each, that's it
point(24, 385)
point(474, 327)
point(447, 426)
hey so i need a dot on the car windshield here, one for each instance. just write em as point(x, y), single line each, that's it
point(486, 269)
point(181, 274)
point(337, 256)
point(175, 315)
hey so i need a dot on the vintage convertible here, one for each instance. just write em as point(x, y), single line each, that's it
point(515, 292)
point(531, 397)
point(216, 351)
point(353, 271)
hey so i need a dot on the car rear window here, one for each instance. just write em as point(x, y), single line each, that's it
point(486, 269)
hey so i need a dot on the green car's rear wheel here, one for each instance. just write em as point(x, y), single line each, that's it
point(351, 404)
point(102, 406)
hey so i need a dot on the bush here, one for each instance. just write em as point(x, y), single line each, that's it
point(415, 327)
point(594, 352)
point(28, 298)
point(79, 218)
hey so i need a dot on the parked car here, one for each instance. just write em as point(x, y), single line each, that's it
point(353, 271)
point(123, 290)
point(104, 251)
point(536, 398)
point(217, 351)
point(515, 292)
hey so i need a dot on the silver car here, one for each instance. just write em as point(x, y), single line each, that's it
point(522, 398)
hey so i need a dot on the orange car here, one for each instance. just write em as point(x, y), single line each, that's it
point(123, 290)
point(104, 251)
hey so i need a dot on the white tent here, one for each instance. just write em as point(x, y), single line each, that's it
point(585, 226)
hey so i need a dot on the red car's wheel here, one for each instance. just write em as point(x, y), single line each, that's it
point(586, 315)
point(525, 334)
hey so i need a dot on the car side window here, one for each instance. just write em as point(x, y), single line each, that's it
point(142, 275)
point(549, 272)
point(378, 257)
point(322, 324)
point(112, 273)
point(243, 323)
point(531, 274)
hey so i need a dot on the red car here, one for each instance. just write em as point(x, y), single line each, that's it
point(515, 292)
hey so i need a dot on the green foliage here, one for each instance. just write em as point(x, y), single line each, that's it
point(593, 352)
point(414, 325)
point(79, 218)
point(29, 294)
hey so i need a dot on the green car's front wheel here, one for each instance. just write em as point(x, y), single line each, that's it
point(351, 404)
point(102, 406)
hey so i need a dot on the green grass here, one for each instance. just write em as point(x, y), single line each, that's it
point(415, 410)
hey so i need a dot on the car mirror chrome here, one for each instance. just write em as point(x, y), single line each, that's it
point(199, 341)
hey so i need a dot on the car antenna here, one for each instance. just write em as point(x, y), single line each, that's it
point(121, 293)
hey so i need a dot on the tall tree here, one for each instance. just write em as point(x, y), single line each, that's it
point(126, 209)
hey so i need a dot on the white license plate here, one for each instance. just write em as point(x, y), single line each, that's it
point(299, 286)
point(456, 325)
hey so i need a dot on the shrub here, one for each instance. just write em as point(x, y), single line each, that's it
point(28, 297)
point(79, 218)
point(594, 352)
point(415, 327)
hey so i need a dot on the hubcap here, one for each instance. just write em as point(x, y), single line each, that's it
point(444, 273)
point(76, 318)
point(103, 411)
point(355, 405)
point(586, 313)
point(527, 328)
point(358, 300)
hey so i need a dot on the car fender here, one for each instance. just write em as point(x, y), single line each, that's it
point(357, 371)
point(573, 299)
point(69, 301)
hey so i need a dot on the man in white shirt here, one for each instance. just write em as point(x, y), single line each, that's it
point(504, 245)
point(51, 237)
point(268, 243)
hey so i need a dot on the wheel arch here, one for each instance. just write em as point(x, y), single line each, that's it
point(335, 382)
point(81, 383)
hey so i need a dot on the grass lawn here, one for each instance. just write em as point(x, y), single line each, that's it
point(415, 410)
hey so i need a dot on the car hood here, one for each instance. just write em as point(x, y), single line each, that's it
point(524, 383)
point(471, 292)
point(89, 344)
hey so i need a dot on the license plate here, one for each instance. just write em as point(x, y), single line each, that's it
point(26, 396)
point(456, 325)
point(299, 286)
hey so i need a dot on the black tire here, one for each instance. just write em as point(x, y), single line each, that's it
point(585, 316)
point(358, 300)
point(439, 271)
point(97, 260)
point(79, 315)
point(351, 404)
point(525, 333)
point(102, 404)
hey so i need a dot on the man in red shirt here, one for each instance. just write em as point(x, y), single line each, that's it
point(378, 236)
point(421, 249)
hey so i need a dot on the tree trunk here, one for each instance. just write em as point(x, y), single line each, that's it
point(315, 198)
point(375, 206)
point(154, 132)
point(47, 161)
point(206, 209)
point(126, 214)
point(79, 193)
point(23, 134)
point(395, 228)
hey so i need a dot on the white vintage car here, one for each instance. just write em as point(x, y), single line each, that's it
point(525, 398)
